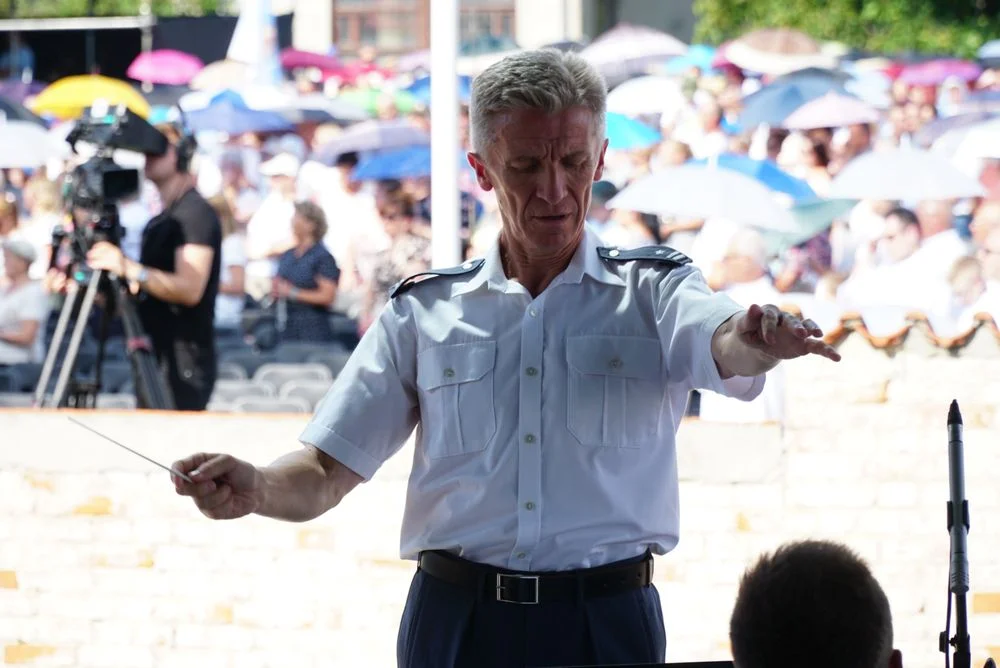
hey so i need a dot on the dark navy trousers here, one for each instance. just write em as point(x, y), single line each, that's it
point(448, 626)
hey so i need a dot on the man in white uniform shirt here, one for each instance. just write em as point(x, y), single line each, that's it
point(546, 383)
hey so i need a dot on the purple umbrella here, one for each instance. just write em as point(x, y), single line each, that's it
point(293, 59)
point(374, 136)
point(935, 72)
point(165, 66)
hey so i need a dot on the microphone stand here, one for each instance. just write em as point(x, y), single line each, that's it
point(958, 527)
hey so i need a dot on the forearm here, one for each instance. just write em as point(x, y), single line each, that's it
point(297, 487)
point(18, 337)
point(317, 297)
point(735, 358)
point(165, 286)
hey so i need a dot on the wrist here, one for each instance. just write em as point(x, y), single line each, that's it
point(293, 294)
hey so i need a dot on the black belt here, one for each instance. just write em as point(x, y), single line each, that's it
point(534, 588)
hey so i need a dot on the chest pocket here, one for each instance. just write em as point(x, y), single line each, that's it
point(456, 397)
point(615, 390)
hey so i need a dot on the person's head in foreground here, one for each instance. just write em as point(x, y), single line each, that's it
point(537, 121)
point(812, 603)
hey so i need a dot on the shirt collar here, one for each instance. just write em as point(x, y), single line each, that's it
point(585, 261)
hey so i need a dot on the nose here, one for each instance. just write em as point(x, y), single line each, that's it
point(552, 186)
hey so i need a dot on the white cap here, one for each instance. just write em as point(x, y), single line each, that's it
point(283, 164)
point(21, 248)
point(749, 243)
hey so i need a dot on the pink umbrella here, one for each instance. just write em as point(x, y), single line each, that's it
point(831, 111)
point(165, 66)
point(935, 72)
point(294, 58)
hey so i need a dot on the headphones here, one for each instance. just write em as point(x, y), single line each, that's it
point(187, 145)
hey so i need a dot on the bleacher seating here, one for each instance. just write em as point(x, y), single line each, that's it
point(248, 359)
point(276, 374)
point(231, 390)
point(272, 405)
point(231, 371)
point(116, 401)
point(334, 361)
point(16, 400)
point(312, 391)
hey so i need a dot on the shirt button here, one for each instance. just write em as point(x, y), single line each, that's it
point(531, 371)
point(521, 555)
point(530, 505)
point(532, 312)
point(615, 363)
point(449, 372)
point(529, 438)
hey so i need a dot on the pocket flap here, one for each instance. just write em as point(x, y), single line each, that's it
point(626, 356)
point(452, 364)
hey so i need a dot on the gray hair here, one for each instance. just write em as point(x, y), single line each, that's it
point(545, 79)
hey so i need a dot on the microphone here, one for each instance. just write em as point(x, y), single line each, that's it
point(958, 527)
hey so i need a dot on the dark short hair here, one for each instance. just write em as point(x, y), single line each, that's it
point(811, 603)
point(603, 191)
point(905, 216)
point(350, 159)
point(314, 214)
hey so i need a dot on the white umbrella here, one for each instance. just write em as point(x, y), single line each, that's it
point(706, 191)
point(831, 111)
point(646, 95)
point(981, 142)
point(26, 145)
point(907, 174)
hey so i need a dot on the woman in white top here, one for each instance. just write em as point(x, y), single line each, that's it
point(232, 293)
point(45, 205)
point(23, 305)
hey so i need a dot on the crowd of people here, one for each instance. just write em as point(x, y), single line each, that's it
point(306, 235)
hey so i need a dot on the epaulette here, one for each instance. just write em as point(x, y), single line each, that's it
point(661, 254)
point(407, 283)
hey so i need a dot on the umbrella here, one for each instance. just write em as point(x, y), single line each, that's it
point(165, 96)
point(294, 58)
point(831, 111)
point(26, 145)
point(374, 136)
point(935, 72)
point(774, 103)
point(229, 113)
point(411, 162)
point(421, 90)
point(68, 97)
point(15, 111)
point(415, 60)
point(777, 51)
point(311, 108)
point(989, 54)
point(872, 87)
point(627, 50)
point(221, 74)
point(369, 99)
point(980, 142)
point(699, 55)
point(941, 132)
point(474, 65)
point(984, 100)
point(705, 191)
point(839, 76)
point(646, 95)
point(165, 66)
point(764, 171)
point(625, 134)
point(906, 174)
point(812, 217)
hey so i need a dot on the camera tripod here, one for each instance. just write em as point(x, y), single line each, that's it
point(84, 287)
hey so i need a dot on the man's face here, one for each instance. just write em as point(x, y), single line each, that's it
point(542, 167)
point(989, 255)
point(159, 168)
point(899, 240)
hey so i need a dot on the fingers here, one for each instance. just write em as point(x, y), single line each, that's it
point(769, 323)
point(750, 322)
point(812, 327)
point(210, 503)
point(817, 347)
point(195, 468)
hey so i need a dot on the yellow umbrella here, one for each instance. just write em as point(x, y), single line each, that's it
point(68, 97)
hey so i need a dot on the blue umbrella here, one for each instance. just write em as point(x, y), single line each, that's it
point(699, 55)
point(626, 133)
point(403, 163)
point(228, 112)
point(774, 103)
point(767, 172)
point(421, 89)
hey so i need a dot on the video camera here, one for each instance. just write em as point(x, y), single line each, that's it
point(93, 189)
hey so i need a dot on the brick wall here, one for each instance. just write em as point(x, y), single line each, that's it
point(101, 565)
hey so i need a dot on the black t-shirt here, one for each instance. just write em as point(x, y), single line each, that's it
point(190, 220)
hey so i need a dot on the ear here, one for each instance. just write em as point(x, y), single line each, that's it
point(599, 170)
point(479, 166)
point(896, 659)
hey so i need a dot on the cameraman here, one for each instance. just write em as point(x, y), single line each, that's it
point(177, 274)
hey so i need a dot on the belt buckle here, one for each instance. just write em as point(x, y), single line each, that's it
point(502, 588)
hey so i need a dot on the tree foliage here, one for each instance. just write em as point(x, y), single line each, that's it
point(957, 27)
point(71, 8)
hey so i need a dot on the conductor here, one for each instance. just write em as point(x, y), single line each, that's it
point(546, 383)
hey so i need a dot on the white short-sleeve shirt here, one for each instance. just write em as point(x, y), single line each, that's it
point(545, 426)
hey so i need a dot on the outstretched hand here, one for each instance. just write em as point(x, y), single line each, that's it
point(781, 335)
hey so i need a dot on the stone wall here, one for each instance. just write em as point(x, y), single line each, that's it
point(101, 565)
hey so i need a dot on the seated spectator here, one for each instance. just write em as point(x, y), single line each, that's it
point(814, 604)
point(408, 253)
point(8, 221)
point(23, 305)
point(307, 278)
point(232, 294)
